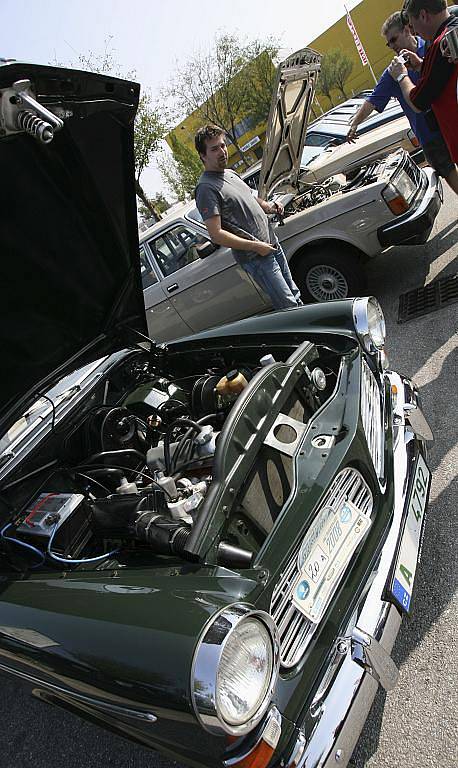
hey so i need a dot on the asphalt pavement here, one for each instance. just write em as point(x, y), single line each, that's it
point(414, 726)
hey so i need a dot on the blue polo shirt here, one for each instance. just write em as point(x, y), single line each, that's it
point(386, 88)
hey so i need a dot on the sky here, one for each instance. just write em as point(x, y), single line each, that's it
point(153, 37)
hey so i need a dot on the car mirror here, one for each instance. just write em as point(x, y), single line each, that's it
point(206, 249)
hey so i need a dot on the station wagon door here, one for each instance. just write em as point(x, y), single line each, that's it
point(204, 292)
point(164, 322)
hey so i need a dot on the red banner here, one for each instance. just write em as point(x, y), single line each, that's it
point(359, 46)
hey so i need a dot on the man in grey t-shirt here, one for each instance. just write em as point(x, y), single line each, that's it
point(236, 219)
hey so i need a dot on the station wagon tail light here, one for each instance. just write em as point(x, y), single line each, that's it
point(235, 670)
point(412, 138)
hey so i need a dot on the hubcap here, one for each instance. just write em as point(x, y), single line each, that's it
point(325, 283)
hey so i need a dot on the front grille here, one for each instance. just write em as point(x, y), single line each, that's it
point(295, 629)
point(372, 417)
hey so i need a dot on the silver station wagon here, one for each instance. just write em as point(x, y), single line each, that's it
point(331, 227)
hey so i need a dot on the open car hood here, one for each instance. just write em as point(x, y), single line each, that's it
point(287, 124)
point(70, 272)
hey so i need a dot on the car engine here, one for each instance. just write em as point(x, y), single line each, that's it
point(127, 470)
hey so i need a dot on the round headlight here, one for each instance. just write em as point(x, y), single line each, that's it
point(369, 323)
point(235, 670)
point(244, 672)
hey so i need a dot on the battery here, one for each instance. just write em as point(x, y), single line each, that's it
point(48, 512)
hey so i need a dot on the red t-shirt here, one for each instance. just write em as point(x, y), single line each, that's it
point(437, 89)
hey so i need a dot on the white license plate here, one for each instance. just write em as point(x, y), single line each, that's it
point(406, 561)
point(322, 568)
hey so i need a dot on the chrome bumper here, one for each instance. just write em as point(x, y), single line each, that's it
point(362, 658)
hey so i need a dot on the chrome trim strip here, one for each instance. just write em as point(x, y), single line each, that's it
point(111, 709)
point(347, 702)
point(372, 416)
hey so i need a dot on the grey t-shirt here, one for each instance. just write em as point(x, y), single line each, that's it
point(224, 193)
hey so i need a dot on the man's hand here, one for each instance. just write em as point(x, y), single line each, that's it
point(270, 207)
point(397, 67)
point(262, 249)
point(351, 135)
point(414, 62)
point(277, 208)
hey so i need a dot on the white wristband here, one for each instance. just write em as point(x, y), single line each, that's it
point(401, 76)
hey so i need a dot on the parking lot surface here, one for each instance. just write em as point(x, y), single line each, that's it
point(414, 726)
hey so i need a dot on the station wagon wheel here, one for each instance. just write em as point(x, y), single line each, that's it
point(326, 274)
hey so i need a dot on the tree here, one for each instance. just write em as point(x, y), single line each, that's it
point(326, 81)
point(230, 81)
point(182, 170)
point(342, 66)
point(336, 68)
point(151, 122)
point(149, 130)
point(160, 203)
point(260, 76)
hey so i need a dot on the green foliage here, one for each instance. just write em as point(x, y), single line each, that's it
point(342, 67)
point(336, 68)
point(151, 121)
point(326, 81)
point(228, 82)
point(149, 130)
point(160, 204)
point(181, 171)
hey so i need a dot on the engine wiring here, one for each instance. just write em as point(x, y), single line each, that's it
point(78, 561)
point(30, 547)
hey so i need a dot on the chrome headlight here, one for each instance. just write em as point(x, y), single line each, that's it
point(405, 186)
point(399, 193)
point(235, 670)
point(369, 323)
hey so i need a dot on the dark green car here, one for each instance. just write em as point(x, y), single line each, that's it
point(206, 546)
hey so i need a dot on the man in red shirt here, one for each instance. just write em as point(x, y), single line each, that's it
point(437, 86)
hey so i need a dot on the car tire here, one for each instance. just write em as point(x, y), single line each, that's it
point(325, 274)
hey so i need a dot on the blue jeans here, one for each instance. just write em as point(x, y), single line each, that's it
point(272, 274)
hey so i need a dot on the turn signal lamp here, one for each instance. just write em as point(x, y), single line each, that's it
point(413, 139)
point(261, 753)
point(394, 200)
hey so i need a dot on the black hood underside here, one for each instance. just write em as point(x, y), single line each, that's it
point(69, 245)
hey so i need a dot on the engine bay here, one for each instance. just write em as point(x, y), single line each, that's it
point(125, 474)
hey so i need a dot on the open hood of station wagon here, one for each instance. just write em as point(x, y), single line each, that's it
point(287, 124)
point(70, 271)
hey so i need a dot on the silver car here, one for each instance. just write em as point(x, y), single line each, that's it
point(330, 229)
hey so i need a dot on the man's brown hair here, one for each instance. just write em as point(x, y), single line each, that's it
point(395, 20)
point(206, 132)
point(413, 7)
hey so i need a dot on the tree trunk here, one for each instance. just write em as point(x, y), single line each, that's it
point(146, 202)
point(236, 145)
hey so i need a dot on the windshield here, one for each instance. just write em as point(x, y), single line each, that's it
point(194, 215)
point(309, 154)
point(320, 139)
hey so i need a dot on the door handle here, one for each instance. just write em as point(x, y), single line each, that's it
point(172, 288)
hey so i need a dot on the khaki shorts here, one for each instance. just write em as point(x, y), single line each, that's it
point(438, 156)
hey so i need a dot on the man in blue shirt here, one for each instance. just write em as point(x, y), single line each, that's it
point(398, 37)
